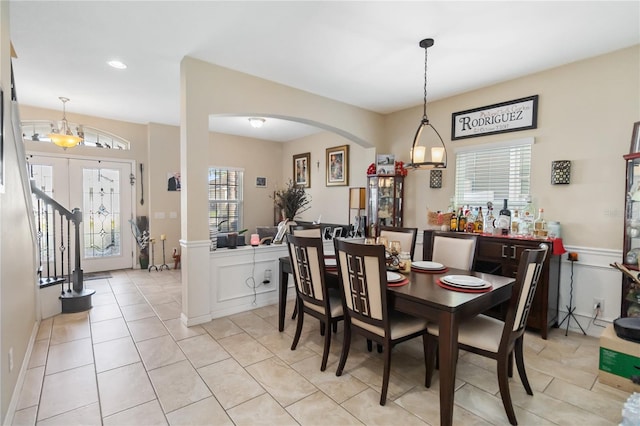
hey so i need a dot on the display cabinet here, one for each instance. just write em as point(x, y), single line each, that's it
point(631, 242)
point(385, 195)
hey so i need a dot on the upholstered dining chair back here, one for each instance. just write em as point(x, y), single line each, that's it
point(529, 271)
point(455, 251)
point(306, 231)
point(363, 280)
point(313, 296)
point(406, 236)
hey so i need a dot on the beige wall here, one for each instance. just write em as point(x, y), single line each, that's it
point(586, 112)
point(18, 270)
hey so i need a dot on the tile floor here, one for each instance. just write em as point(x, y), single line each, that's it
point(130, 361)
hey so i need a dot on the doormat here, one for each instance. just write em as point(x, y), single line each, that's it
point(97, 276)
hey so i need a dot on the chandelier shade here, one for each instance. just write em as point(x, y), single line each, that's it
point(64, 137)
point(427, 138)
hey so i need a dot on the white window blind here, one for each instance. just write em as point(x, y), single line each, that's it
point(225, 199)
point(493, 173)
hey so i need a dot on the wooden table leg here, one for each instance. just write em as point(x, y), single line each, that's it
point(282, 293)
point(448, 351)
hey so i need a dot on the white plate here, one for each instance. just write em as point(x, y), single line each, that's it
point(465, 281)
point(393, 277)
point(330, 262)
point(425, 264)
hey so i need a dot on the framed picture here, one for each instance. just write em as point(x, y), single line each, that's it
point(261, 182)
point(301, 173)
point(338, 166)
point(386, 164)
point(635, 138)
point(173, 181)
point(511, 116)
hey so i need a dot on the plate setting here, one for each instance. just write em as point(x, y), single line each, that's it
point(465, 281)
point(394, 277)
point(427, 265)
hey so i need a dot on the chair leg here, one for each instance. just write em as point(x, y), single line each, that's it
point(335, 326)
point(295, 311)
point(346, 343)
point(327, 344)
point(379, 348)
point(322, 326)
point(503, 384)
point(296, 338)
point(369, 345)
point(520, 364)
point(386, 373)
point(510, 364)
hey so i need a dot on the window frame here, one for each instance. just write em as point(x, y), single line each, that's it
point(216, 220)
point(518, 184)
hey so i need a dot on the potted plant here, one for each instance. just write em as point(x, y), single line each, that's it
point(142, 239)
point(292, 201)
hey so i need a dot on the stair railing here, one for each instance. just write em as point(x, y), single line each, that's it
point(54, 223)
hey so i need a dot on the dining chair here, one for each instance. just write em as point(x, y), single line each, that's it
point(496, 339)
point(363, 282)
point(312, 295)
point(406, 236)
point(454, 250)
point(306, 231)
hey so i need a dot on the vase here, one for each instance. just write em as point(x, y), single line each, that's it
point(144, 262)
point(232, 240)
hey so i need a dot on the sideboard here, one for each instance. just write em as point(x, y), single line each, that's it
point(500, 255)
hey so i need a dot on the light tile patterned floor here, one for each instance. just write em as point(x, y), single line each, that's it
point(130, 361)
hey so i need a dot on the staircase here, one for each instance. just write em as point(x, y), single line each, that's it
point(54, 230)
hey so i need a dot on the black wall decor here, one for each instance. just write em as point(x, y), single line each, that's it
point(435, 179)
point(560, 172)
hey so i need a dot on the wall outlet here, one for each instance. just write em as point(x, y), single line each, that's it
point(598, 303)
point(10, 359)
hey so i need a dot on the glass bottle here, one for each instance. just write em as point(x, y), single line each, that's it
point(540, 226)
point(527, 217)
point(504, 218)
point(488, 222)
point(515, 223)
point(462, 221)
point(479, 225)
point(453, 222)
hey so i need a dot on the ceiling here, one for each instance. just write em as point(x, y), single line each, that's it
point(361, 53)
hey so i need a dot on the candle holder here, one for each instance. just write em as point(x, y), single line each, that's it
point(164, 260)
point(153, 256)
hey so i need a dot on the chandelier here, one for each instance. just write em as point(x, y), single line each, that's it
point(64, 138)
point(430, 136)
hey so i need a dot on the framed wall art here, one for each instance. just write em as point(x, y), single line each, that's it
point(338, 166)
point(261, 182)
point(510, 116)
point(301, 173)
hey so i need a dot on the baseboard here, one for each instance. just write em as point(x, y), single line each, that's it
point(15, 396)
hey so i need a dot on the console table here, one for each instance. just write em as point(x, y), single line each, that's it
point(500, 255)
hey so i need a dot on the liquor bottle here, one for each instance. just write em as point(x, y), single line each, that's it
point(479, 225)
point(453, 223)
point(504, 218)
point(515, 223)
point(540, 226)
point(489, 219)
point(462, 221)
point(527, 217)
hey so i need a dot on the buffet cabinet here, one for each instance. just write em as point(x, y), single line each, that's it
point(500, 255)
point(385, 195)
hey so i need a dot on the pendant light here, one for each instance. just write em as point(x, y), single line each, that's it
point(64, 138)
point(427, 138)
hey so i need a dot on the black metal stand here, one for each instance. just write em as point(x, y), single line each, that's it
point(164, 260)
point(153, 256)
point(570, 307)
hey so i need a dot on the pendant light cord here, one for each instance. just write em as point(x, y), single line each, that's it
point(424, 114)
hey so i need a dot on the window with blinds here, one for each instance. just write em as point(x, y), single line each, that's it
point(493, 173)
point(225, 199)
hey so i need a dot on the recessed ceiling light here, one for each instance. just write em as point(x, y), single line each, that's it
point(256, 122)
point(117, 64)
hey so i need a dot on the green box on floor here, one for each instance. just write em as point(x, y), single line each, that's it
point(619, 361)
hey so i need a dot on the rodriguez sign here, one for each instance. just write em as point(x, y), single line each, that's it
point(519, 114)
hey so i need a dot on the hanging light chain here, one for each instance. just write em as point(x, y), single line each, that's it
point(424, 114)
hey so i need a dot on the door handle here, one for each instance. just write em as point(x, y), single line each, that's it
point(513, 252)
point(503, 252)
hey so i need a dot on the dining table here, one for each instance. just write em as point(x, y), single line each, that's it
point(424, 296)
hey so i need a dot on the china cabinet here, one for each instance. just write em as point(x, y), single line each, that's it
point(384, 200)
point(631, 242)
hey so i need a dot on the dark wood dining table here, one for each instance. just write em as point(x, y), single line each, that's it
point(423, 297)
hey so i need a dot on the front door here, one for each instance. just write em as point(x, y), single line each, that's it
point(102, 191)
